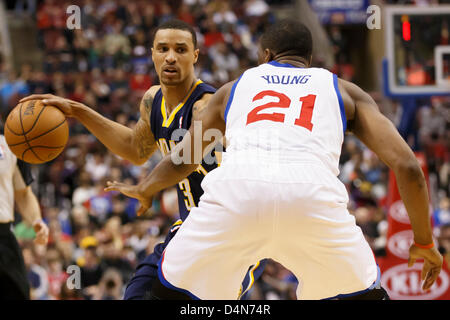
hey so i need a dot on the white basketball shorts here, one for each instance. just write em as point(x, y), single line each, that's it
point(297, 217)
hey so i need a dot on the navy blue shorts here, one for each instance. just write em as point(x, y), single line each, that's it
point(147, 271)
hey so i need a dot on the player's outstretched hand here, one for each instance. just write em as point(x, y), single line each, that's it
point(63, 104)
point(41, 230)
point(131, 191)
point(432, 263)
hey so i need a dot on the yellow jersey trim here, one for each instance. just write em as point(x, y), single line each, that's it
point(251, 282)
point(167, 121)
point(177, 223)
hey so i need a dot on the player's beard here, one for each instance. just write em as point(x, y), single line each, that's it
point(171, 81)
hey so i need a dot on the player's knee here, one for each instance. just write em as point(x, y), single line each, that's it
point(161, 292)
point(135, 292)
point(141, 284)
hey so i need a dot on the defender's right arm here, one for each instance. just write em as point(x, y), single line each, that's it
point(135, 145)
point(167, 172)
point(380, 135)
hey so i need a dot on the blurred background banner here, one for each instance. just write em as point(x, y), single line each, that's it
point(401, 282)
point(340, 11)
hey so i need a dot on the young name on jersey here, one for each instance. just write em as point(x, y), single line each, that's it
point(286, 79)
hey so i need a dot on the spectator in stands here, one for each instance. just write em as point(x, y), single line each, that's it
point(110, 286)
point(37, 275)
point(25, 6)
point(441, 215)
point(256, 8)
point(12, 89)
point(85, 189)
point(56, 272)
point(224, 58)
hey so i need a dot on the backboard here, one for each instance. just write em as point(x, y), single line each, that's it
point(417, 50)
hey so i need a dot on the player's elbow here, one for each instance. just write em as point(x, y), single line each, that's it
point(136, 154)
point(138, 161)
point(410, 169)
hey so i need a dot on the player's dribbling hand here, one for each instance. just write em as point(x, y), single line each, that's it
point(432, 264)
point(131, 191)
point(65, 105)
point(41, 230)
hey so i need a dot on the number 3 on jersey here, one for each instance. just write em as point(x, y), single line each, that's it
point(304, 120)
point(188, 197)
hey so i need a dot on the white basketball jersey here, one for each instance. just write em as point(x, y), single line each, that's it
point(296, 114)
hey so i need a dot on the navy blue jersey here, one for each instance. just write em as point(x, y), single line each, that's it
point(163, 126)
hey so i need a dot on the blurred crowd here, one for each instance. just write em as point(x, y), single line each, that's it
point(107, 65)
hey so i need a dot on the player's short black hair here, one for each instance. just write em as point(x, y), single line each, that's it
point(178, 25)
point(289, 37)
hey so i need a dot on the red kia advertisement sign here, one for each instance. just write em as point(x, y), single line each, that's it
point(401, 282)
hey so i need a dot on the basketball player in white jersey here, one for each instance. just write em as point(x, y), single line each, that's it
point(287, 204)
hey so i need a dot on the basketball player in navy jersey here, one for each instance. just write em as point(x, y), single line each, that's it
point(164, 109)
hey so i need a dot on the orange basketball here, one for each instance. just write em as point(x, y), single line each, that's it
point(36, 133)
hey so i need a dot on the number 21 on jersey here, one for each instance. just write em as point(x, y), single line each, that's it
point(304, 120)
